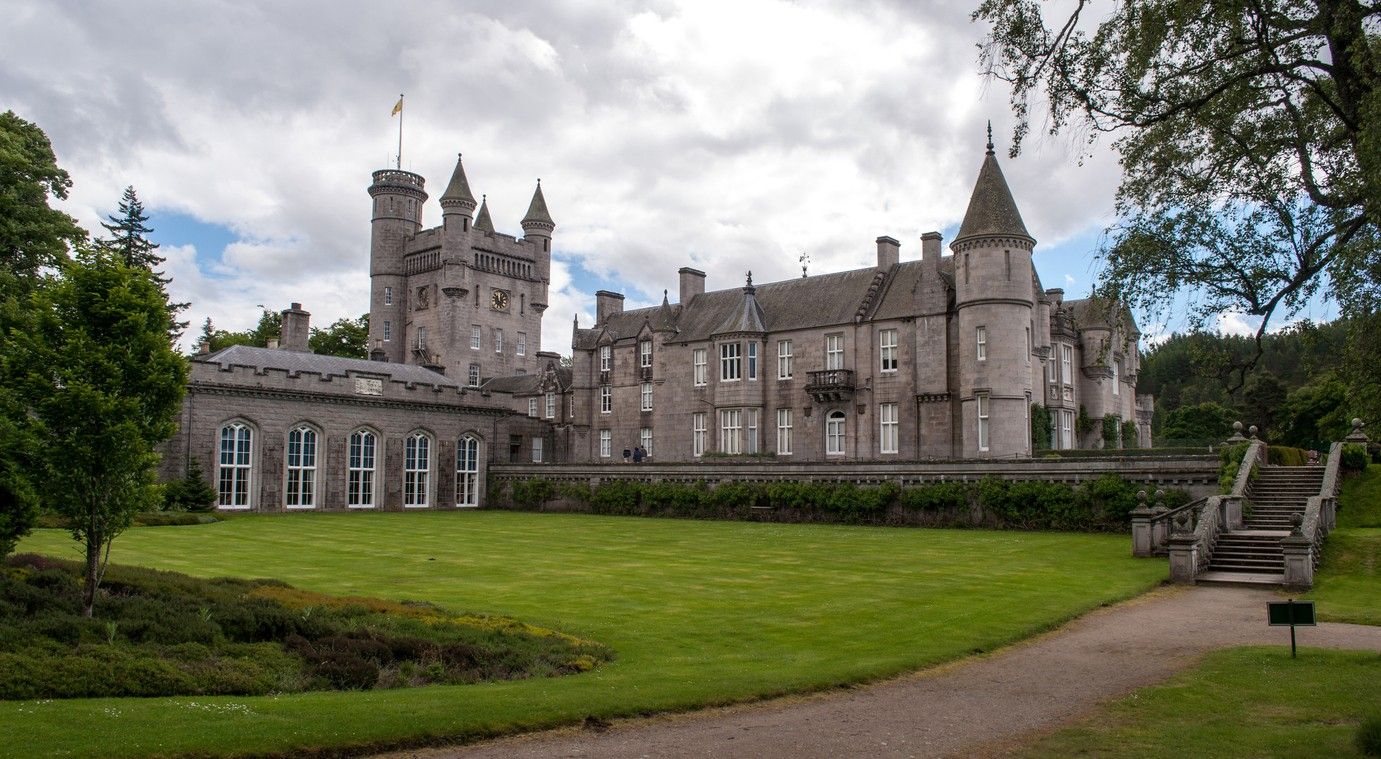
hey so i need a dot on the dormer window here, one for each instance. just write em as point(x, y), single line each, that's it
point(645, 354)
point(606, 358)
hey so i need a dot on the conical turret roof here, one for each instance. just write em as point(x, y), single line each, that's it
point(537, 209)
point(992, 212)
point(458, 191)
point(482, 221)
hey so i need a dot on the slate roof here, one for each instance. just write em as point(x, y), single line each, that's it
point(458, 191)
point(537, 209)
point(336, 366)
point(526, 384)
point(746, 316)
point(1094, 313)
point(482, 221)
point(992, 211)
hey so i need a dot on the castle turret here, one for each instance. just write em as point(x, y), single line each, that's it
point(537, 229)
point(483, 221)
point(994, 298)
point(398, 198)
point(457, 202)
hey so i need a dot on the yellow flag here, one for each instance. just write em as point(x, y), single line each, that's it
point(397, 107)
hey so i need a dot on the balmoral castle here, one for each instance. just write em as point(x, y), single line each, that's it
point(940, 357)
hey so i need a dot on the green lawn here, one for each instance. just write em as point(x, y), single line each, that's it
point(1244, 702)
point(1347, 585)
point(698, 613)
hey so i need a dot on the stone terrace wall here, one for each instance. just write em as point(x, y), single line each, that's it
point(1195, 474)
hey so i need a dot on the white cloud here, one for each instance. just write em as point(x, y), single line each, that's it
point(721, 134)
point(1233, 323)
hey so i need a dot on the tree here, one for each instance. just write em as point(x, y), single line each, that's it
point(1316, 414)
point(1203, 423)
point(1262, 399)
point(270, 326)
point(345, 337)
point(102, 385)
point(34, 238)
point(129, 239)
point(1250, 143)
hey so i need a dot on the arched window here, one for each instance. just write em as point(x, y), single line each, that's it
point(417, 469)
point(359, 485)
point(301, 468)
point(834, 433)
point(468, 471)
point(235, 468)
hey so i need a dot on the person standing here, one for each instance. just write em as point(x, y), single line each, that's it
point(638, 454)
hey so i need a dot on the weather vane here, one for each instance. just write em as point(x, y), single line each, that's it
point(804, 259)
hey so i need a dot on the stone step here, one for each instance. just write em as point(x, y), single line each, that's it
point(1219, 577)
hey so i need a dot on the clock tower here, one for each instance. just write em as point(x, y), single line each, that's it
point(462, 298)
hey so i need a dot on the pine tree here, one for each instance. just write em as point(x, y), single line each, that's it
point(129, 238)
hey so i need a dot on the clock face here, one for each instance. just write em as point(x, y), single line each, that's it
point(499, 300)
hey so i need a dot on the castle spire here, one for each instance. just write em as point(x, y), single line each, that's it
point(537, 210)
point(990, 136)
point(482, 221)
point(992, 212)
point(457, 194)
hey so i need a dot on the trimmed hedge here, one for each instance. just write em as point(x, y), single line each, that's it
point(1101, 505)
point(1354, 457)
point(1282, 455)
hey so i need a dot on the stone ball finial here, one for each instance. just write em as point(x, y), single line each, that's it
point(1356, 424)
point(1297, 521)
point(1237, 427)
point(1160, 494)
point(1141, 496)
point(1252, 431)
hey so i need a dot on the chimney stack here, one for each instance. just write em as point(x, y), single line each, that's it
point(692, 284)
point(607, 304)
point(930, 250)
point(889, 252)
point(296, 329)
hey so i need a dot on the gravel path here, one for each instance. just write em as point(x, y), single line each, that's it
point(965, 708)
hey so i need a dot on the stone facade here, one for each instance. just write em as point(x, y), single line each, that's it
point(935, 358)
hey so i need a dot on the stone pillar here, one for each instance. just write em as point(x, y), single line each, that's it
point(1141, 527)
point(1160, 530)
point(1236, 433)
point(1184, 558)
point(1232, 513)
point(1299, 561)
point(1356, 436)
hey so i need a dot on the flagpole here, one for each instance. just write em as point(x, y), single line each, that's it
point(399, 163)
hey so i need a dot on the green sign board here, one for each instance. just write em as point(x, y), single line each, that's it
point(1291, 613)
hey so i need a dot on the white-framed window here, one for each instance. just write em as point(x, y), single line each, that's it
point(417, 470)
point(1066, 364)
point(698, 433)
point(1116, 378)
point(476, 334)
point(1066, 429)
point(783, 432)
point(981, 341)
point(551, 406)
point(834, 433)
point(300, 490)
point(537, 450)
point(606, 444)
point(235, 471)
point(359, 479)
point(730, 429)
point(753, 360)
point(887, 350)
point(606, 399)
point(646, 395)
point(730, 362)
point(474, 375)
point(498, 340)
point(698, 361)
point(982, 402)
point(750, 435)
point(521, 348)
point(645, 354)
point(468, 471)
point(421, 338)
point(783, 359)
point(388, 330)
point(388, 296)
point(606, 358)
point(532, 407)
point(1052, 369)
point(645, 438)
point(834, 351)
point(889, 428)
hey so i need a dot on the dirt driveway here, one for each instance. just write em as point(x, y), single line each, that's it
point(961, 709)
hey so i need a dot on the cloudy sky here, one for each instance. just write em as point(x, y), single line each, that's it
point(722, 135)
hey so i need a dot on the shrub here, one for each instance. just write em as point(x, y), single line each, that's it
point(939, 496)
point(1130, 437)
point(1112, 425)
point(1354, 458)
point(1281, 455)
point(1231, 458)
point(1369, 736)
point(1042, 427)
point(533, 493)
point(615, 497)
point(191, 493)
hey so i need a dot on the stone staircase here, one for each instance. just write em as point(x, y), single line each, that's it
point(1252, 554)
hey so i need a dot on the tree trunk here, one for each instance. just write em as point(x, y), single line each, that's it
point(93, 562)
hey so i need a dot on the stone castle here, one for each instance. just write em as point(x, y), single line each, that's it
point(936, 358)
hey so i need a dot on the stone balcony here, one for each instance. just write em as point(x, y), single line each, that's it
point(830, 385)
